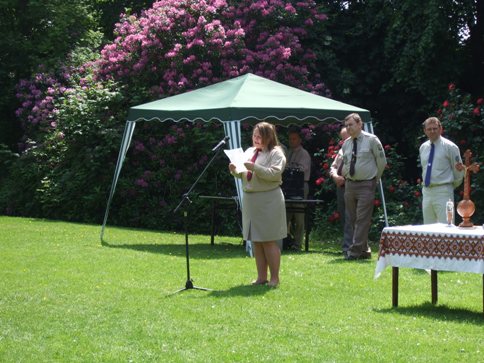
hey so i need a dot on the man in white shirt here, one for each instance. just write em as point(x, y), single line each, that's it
point(442, 172)
point(299, 158)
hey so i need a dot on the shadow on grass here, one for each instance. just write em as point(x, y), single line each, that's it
point(198, 251)
point(300, 252)
point(235, 291)
point(340, 260)
point(241, 290)
point(439, 312)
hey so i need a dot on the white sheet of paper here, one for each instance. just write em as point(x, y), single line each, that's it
point(237, 158)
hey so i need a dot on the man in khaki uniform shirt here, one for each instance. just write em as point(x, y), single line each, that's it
point(441, 174)
point(363, 164)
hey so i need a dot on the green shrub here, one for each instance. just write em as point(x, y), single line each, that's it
point(463, 122)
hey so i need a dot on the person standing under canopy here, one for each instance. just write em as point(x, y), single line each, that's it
point(263, 204)
point(336, 173)
point(298, 158)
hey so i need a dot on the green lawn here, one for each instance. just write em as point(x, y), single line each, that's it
point(64, 297)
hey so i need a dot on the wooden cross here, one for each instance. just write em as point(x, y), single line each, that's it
point(466, 207)
point(474, 167)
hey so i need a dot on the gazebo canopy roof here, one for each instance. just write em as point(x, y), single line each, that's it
point(246, 98)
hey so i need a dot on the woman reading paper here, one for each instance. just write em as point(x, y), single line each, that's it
point(264, 211)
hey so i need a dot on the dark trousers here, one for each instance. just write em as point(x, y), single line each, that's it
point(340, 205)
point(359, 197)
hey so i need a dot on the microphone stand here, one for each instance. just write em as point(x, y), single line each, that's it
point(186, 199)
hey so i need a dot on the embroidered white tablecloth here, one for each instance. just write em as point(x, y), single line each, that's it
point(432, 246)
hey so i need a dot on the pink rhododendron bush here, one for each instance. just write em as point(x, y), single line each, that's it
point(180, 45)
point(73, 116)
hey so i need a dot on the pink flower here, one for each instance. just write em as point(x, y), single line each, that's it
point(480, 101)
point(309, 22)
point(325, 166)
point(387, 147)
point(286, 53)
point(290, 9)
point(477, 111)
point(445, 103)
point(178, 175)
point(139, 146)
point(141, 182)
point(451, 86)
point(391, 189)
point(376, 202)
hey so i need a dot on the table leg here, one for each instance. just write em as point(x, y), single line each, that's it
point(482, 294)
point(306, 229)
point(433, 282)
point(395, 286)
point(212, 226)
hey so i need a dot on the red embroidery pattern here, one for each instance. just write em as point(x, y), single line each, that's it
point(427, 245)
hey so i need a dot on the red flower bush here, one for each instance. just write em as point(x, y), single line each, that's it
point(463, 122)
point(401, 209)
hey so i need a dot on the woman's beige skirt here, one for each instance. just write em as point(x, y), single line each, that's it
point(264, 216)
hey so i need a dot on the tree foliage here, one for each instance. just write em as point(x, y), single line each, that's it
point(74, 115)
point(395, 58)
point(36, 33)
point(69, 86)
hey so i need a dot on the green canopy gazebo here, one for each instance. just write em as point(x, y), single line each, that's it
point(248, 98)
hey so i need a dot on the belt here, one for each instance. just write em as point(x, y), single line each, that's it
point(437, 185)
point(359, 181)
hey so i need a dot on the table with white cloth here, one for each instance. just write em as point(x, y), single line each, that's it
point(434, 247)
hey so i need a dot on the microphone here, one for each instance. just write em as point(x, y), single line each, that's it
point(221, 143)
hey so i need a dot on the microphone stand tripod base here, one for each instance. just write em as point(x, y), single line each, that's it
point(189, 286)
